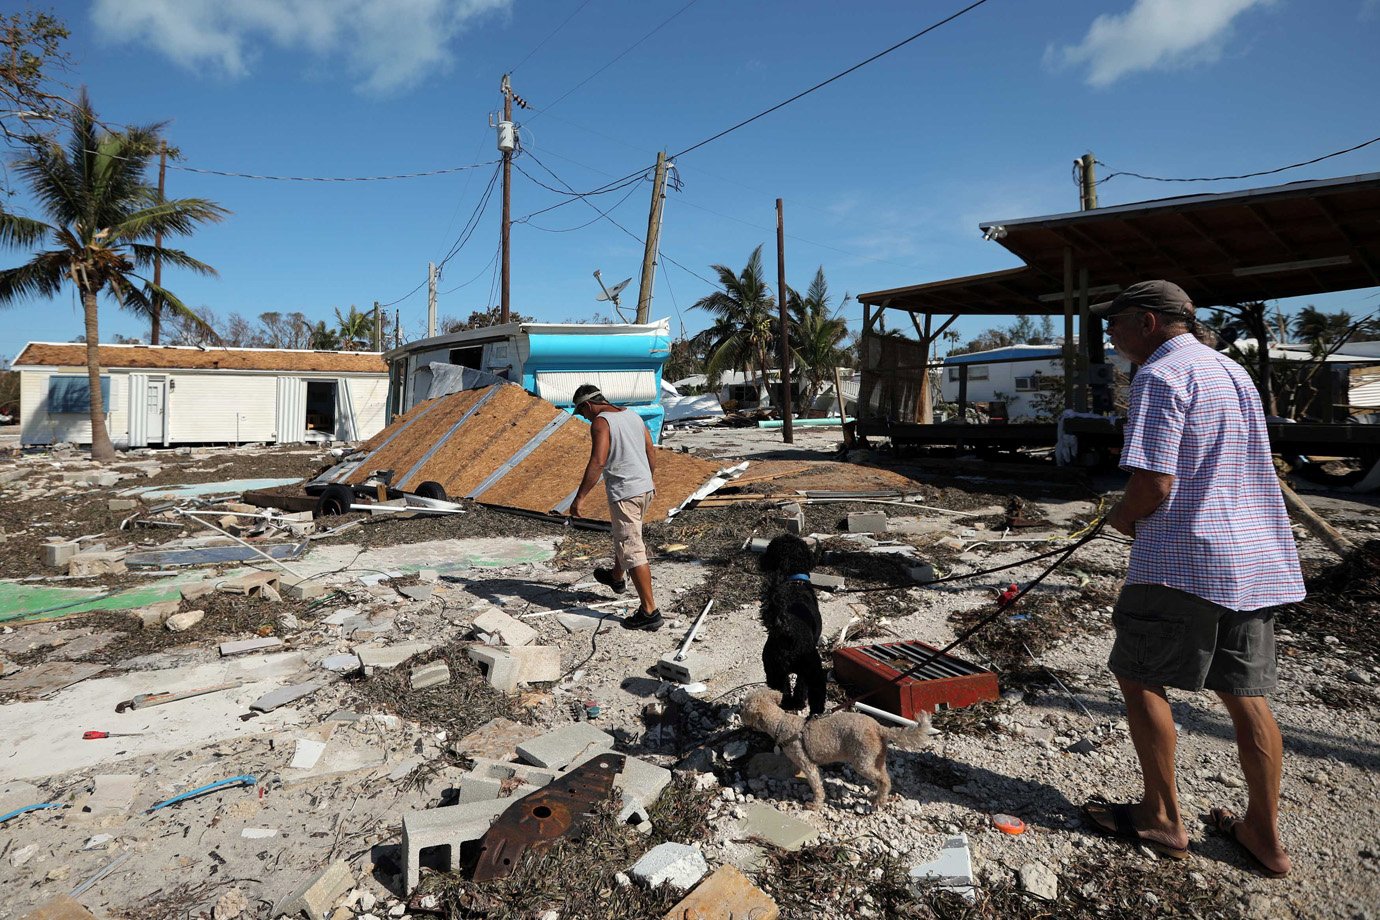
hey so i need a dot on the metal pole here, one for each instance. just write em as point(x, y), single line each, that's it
point(504, 313)
point(1085, 341)
point(430, 299)
point(787, 432)
point(1070, 363)
point(644, 290)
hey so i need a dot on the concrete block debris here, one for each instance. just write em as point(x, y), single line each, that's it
point(775, 827)
point(155, 615)
point(56, 555)
point(317, 895)
point(307, 753)
point(728, 894)
point(96, 562)
point(537, 663)
point(792, 517)
point(181, 622)
point(303, 589)
point(1038, 879)
point(389, 656)
point(419, 592)
point(284, 695)
point(758, 544)
point(495, 627)
point(343, 663)
point(921, 573)
point(111, 793)
point(674, 864)
point(692, 668)
point(484, 768)
point(477, 789)
point(435, 674)
point(496, 739)
point(123, 504)
point(557, 749)
point(641, 784)
point(249, 646)
point(500, 669)
point(62, 907)
point(448, 827)
point(951, 870)
point(253, 583)
point(826, 582)
point(867, 522)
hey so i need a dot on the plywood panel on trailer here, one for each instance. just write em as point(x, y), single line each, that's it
point(426, 428)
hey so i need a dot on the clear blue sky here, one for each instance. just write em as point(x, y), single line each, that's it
point(885, 173)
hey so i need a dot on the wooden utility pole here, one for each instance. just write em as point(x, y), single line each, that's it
point(1087, 181)
point(397, 329)
point(787, 433)
point(430, 299)
point(156, 321)
point(507, 142)
point(644, 291)
point(378, 328)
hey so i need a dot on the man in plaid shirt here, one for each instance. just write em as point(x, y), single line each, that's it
point(1212, 556)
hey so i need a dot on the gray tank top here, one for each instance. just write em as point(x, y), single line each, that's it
point(626, 475)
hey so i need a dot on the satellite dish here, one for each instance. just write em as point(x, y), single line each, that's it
point(613, 292)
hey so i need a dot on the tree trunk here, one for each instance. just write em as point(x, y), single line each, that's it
point(156, 323)
point(102, 451)
point(1261, 330)
point(766, 381)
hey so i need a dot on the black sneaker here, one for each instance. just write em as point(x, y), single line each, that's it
point(605, 577)
point(650, 622)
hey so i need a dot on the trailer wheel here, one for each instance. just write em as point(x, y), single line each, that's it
point(433, 490)
point(336, 500)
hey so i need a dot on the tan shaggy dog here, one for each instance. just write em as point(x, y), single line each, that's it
point(840, 737)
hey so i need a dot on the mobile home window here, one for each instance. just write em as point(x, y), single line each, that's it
point(977, 372)
point(72, 393)
point(1027, 384)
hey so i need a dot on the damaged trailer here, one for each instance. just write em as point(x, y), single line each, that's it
point(494, 443)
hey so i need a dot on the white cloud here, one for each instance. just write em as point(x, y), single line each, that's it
point(1152, 35)
point(387, 46)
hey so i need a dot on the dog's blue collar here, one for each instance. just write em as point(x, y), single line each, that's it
point(798, 577)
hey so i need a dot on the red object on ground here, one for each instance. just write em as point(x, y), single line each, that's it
point(870, 673)
point(1009, 824)
point(97, 735)
point(1009, 595)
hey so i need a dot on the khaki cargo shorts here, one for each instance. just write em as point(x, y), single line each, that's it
point(626, 516)
point(1170, 638)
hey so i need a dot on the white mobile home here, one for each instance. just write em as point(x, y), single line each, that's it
point(162, 395)
point(1016, 383)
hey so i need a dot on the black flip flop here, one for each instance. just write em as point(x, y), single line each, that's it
point(1124, 828)
point(1226, 823)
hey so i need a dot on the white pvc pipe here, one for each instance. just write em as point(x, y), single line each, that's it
point(690, 636)
point(883, 714)
point(279, 563)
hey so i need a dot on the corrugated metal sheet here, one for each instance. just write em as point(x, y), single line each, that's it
point(508, 448)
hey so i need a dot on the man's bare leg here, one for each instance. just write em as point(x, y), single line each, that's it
point(1151, 721)
point(1261, 749)
point(641, 577)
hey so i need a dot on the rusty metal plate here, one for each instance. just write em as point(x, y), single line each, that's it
point(537, 820)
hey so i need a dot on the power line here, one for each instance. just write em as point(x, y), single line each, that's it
point(482, 271)
point(1250, 175)
point(838, 76)
point(595, 220)
point(550, 35)
point(665, 22)
point(415, 175)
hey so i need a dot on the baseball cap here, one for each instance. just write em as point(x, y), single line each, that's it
point(1160, 296)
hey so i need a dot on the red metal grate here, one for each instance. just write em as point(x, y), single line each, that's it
point(944, 683)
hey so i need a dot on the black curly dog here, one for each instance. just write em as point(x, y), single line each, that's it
point(790, 612)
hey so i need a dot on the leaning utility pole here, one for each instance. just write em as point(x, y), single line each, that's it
point(507, 142)
point(644, 292)
point(156, 323)
point(430, 299)
point(787, 432)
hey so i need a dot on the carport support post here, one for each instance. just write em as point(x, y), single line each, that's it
point(1084, 340)
point(1070, 363)
point(787, 432)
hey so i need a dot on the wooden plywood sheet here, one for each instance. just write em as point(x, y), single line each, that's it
point(504, 423)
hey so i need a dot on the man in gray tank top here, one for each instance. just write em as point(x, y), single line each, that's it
point(623, 454)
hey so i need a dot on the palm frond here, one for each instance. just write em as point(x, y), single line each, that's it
point(173, 217)
point(21, 231)
point(41, 277)
point(145, 256)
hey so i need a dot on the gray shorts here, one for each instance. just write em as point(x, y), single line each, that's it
point(1170, 638)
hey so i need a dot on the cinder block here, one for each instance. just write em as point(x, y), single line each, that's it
point(96, 563)
point(318, 894)
point(56, 555)
point(430, 675)
point(923, 573)
point(245, 646)
point(303, 589)
point(419, 592)
point(792, 517)
point(445, 827)
point(867, 522)
point(674, 864)
point(693, 668)
point(777, 828)
point(500, 770)
point(500, 670)
point(952, 870)
point(124, 504)
point(390, 656)
point(558, 748)
point(758, 544)
point(252, 583)
point(474, 788)
point(725, 895)
point(826, 582)
point(537, 663)
point(493, 624)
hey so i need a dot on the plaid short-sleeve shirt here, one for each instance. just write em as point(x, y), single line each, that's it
point(1223, 533)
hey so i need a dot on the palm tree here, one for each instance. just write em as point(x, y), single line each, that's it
point(743, 324)
point(815, 336)
point(98, 211)
point(322, 337)
point(355, 328)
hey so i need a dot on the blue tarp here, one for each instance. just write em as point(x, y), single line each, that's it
point(72, 393)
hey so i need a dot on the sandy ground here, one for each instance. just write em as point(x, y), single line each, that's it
point(1007, 756)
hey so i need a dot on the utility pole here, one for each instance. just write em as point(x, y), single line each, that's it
point(1087, 181)
point(1091, 394)
point(397, 329)
point(156, 323)
point(787, 432)
point(430, 299)
point(507, 142)
point(644, 292)
point(378, 328)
